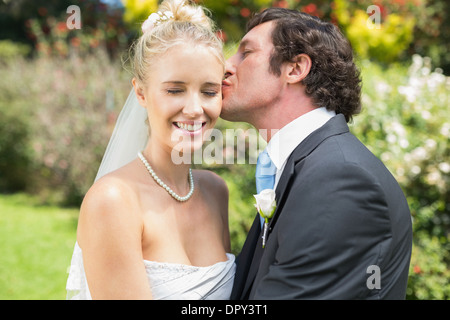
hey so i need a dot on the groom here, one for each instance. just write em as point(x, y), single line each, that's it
point(342, 226)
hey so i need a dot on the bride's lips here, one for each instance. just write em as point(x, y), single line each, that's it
point(189, 127)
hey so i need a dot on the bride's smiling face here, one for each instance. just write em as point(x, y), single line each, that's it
point(183, 96)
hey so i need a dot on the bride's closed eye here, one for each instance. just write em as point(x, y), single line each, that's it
point(178, 91)
point(211, 89)
point(210, 93)
point(174, 91)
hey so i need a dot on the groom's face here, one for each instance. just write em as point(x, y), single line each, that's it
point(249, 86)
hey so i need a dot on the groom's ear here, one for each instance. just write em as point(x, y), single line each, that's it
point(298, 69)
point(139, 92)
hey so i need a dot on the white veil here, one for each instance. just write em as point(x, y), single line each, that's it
point(130, 135)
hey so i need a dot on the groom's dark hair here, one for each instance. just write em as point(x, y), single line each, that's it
point(334, 80)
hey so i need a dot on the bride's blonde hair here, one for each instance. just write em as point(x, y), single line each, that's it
point(188, 23)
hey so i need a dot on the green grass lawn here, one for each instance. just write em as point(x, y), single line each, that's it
point(36, 244)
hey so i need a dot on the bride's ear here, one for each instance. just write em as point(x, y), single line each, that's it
point(139, 92)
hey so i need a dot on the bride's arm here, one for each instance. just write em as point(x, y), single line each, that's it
point(109, 233)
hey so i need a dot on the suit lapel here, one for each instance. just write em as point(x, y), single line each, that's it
point(254, 266)
point(336, 125)
point(244, 261)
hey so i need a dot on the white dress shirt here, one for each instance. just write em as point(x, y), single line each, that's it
point(291, 135)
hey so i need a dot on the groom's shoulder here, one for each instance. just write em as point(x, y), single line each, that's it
point(341, 148)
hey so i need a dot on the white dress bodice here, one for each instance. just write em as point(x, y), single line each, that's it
point(169, 281)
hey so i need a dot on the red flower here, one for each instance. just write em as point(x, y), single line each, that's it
point(310, 8)
point(417, 269)
point(281, 4)
point(245, 12)
point(61, 26)
point(383, 9)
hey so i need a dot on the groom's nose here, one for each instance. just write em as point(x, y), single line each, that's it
point(230, 66)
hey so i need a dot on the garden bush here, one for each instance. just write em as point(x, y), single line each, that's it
point(67, 111)
point(14, 147)
point(405, 123)
point(15, 151)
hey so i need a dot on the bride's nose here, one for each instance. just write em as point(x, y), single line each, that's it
point(193, 107)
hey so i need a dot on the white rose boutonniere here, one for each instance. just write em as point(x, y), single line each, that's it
point(266, 205)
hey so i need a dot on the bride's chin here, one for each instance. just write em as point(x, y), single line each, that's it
point(187, 148)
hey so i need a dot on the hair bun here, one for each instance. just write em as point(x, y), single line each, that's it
point(186, 11)
point(176, 22)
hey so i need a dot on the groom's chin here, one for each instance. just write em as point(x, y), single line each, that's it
point(227, 111)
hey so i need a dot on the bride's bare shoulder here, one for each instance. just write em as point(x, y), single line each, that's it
point(109, 189)
point(110, 207)
point(115, 186)
point(114, 193)
point(212, 182)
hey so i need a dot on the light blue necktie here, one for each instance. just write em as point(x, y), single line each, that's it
point(265, 174)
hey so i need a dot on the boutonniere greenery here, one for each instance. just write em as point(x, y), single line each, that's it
point(266, 205)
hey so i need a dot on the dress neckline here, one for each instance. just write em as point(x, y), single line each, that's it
point(180, 266)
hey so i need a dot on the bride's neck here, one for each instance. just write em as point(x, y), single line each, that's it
point(160, 159)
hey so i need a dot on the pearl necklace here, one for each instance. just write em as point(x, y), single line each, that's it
point(165, 186)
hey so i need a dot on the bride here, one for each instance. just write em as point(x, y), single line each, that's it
point(150, 228)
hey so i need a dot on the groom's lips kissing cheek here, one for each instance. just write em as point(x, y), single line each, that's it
point(226, 84)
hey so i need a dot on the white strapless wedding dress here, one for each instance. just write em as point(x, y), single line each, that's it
point(170, 281)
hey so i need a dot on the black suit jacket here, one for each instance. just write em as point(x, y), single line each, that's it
point(339, 213)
